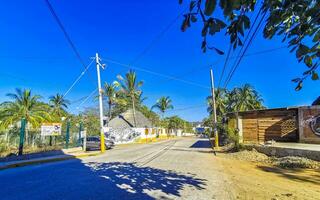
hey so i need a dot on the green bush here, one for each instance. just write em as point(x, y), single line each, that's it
point(233, 137)
point(3, 146)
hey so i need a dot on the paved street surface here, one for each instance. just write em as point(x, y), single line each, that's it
point(175, 169)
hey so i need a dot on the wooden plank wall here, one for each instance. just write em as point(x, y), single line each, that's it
point(250, 128)
point(278, 125)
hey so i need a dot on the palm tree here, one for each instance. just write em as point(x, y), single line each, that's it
point(163, 104)
point(110, 91)
point(23, 105)
point(130, 87)
point(58, 104)
point(221, 101)
point(245, 98)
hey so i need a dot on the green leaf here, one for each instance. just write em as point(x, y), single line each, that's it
point(302, 50)
point(314, 76)
point(246, 22)
point(316, 38)
point(220, 23)
point(218, 51)
point(296, 80)
point(299, 86)
point(308, 61)
point(185, 23)
point(192, 5)
point(205, 29)
point(209, 7)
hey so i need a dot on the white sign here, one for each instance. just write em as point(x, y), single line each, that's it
point(83, 133)
point(51, 129)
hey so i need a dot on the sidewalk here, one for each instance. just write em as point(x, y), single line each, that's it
point(69, 154)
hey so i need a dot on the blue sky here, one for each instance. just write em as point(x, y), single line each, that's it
point(34, 54)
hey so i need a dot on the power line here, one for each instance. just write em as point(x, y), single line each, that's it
point(55, 16)
point(232, 71)
point(67, 36)
point(225, 65)
point(87, 98)
point(244, 42)
point(158, 37)
point(77, 80)
point(188, 108)
point(155, 73)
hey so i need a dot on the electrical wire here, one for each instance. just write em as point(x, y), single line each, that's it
point(78, 79)
point(234, 68)
point(225, 65)
point(67, 36)
point(158, 37)
point(155, 73)
point(88, 97)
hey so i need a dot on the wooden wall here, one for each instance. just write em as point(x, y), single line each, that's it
point(278, 124)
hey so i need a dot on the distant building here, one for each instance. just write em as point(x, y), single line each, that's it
point(123, 129)
point(199, 128)
point(126, 120)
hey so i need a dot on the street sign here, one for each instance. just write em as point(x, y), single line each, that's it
point(50, 129)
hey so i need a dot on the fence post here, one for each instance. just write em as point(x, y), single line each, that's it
point(67, 134)
point(22, 132)
point(80, 129)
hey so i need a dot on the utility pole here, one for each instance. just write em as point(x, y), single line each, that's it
point(102, 146)
point(214, 112)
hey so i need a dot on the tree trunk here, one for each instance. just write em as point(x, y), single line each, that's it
point(134, 112)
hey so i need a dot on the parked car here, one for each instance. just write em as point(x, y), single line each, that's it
point(93, 142)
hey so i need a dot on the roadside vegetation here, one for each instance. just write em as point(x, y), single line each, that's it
point(118, 96)
point(238, 99)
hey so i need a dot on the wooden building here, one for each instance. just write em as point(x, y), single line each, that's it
point(293, 124)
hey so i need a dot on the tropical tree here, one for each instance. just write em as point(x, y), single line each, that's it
point(163, 104)
point(244, 98)
point(130, 87)
point(221, 101)
point(23, 105)
point(298, 22)
point(110, 91)
point(238, 99)
point(58, 105)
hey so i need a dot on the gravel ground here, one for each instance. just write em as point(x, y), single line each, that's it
point(283, 162)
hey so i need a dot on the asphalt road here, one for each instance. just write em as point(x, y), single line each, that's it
point(176, 169)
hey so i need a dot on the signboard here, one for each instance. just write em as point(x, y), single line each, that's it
point(51, 129)
point(83, 133)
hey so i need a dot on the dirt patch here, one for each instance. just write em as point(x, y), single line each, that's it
point(260, 180)
point(283, 162)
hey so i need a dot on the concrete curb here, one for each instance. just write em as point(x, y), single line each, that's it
point(21, 163)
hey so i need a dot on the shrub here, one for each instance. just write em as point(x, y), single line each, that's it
point(233, 137)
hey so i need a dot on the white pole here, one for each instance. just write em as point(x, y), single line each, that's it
point(100, 105)
point(215, 131)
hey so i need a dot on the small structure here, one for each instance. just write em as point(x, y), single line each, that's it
point(124, 128)
point(293, 124)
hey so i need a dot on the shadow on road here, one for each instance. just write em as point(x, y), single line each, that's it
point(95, 180)
point(201, 144)
point(139, 182)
